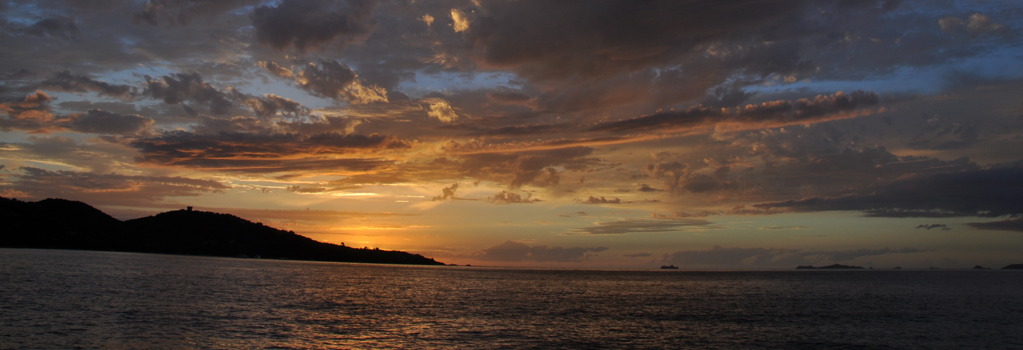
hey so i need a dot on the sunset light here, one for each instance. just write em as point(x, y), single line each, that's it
point(711, 135)
point(511, 174)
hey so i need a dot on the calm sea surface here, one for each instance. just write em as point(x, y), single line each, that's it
point(76, 299)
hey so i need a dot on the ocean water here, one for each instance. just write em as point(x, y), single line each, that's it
point(77, 299)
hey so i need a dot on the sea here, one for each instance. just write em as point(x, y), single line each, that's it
point(58, 299)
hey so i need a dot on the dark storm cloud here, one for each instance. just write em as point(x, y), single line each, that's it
point(326, 124)
point(774, 165)
point(182, 88)
point(55, 27)
point(179, 88)
point(602, 200)
point(647, 188)
point(270, 105)
point(69, 82)
point(771, 257)
point(183, 11)
point(266, 153)
point(209, 125)
point(515, 251)
point(447, 193)
point(556, 40)
point(770, 114)
point(521, 130)
point(652, 54)
point(269, 165)
point(928, 227)
point(103, 122)
point(988, 192)
point(806, 109)
point(276, 69)
point(108, 188)
point(327, 79)
point(506, 197)
point(340, 141)
point(307, 24)
point(693, 117)
point(31, 113)
point(644, 226)
point(530, 167)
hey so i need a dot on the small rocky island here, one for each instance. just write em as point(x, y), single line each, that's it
point(64, 224)
point(829, 267)
point(1013, 267)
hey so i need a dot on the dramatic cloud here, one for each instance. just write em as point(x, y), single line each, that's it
point(575, 38)
point(447, 193)
point(30, 113)
point(602, 200)
point(270, 105)
point(532, 167)
point(644, 226)
point(764, 115)
point(307, 24)
point(179, 88)
point(54, 27)
point(102, 122)
point(68, 82)
point(988, 192)
point(326, 79)
point(325, 124)
point(511, 251)
point(335, 80)
point(276, 69)
point(107, 188)
point(505, 197)
point(262, 153)
point(942, 227)
point(33, 114)
point(622, 123)
point(182, 12)
point(647, 188)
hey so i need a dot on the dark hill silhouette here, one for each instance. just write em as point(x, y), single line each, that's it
point(57, 223)
point(64, 224)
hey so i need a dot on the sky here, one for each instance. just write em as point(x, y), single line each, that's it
point(748, 134)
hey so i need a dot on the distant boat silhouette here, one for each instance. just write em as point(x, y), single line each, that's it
point(669, 267)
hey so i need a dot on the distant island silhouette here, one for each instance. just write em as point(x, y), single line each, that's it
point(65, 224)
point(829, 267)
